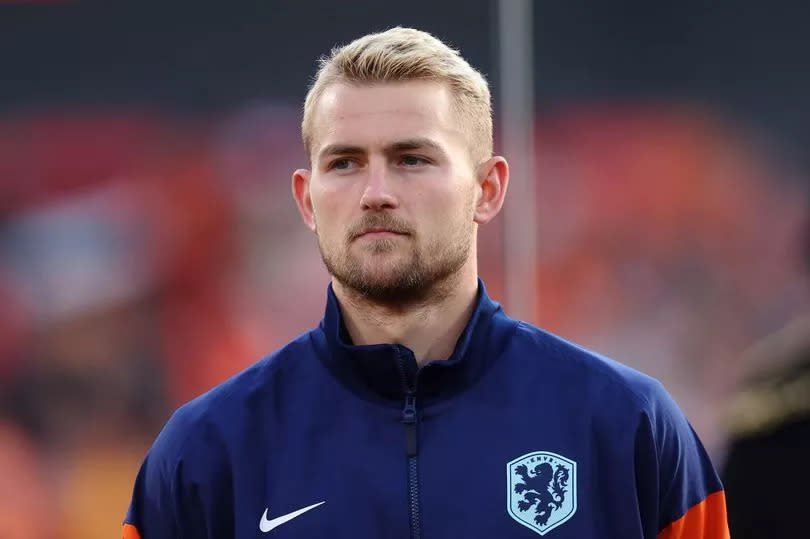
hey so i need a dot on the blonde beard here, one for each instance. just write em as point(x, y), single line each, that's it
point(416, 280)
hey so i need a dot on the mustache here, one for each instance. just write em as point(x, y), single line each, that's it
point(376, 221)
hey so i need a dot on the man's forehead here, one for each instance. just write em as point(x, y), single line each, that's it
point(382, 114)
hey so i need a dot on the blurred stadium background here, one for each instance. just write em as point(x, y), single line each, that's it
point(149, 245)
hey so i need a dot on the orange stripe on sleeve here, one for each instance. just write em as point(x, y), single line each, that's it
point(130, 532)
point(705, 520)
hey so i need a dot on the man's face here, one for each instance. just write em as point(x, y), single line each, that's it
point(392, 189)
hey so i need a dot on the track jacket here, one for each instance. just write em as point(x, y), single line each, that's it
point(518, 434)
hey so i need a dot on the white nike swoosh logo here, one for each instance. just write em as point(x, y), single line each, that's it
point(267, 525)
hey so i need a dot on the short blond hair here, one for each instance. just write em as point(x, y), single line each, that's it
point(406, 54)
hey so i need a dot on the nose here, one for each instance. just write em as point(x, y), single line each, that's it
point(378, 194)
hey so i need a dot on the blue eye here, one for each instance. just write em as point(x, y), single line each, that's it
point(341, 164)
point(412, 161)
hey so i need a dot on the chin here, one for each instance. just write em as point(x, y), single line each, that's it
point(383, 278)
point(382, 262)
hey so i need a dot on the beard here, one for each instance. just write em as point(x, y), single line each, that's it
point(396, 271)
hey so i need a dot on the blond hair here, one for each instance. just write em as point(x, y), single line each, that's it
point(405, 54)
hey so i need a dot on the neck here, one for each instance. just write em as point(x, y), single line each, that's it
point(429, 328)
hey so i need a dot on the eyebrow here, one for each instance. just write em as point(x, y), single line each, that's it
point(410, 144)
point(340, 149)
point(414, 144)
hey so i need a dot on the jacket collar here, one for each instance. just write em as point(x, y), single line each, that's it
point(389, 371)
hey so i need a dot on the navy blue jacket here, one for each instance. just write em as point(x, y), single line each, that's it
point(518, 434)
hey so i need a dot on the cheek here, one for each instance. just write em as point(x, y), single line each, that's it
point(447, 212)
point(333, 195)
point(328, 209)
point(456, 202)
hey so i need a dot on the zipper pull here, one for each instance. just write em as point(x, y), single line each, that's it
point(409, 410)
point(409, 418)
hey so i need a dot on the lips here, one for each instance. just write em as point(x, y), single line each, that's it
point(379, 232)
point(380, 225)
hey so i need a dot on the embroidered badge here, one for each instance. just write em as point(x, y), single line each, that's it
point(542, 490)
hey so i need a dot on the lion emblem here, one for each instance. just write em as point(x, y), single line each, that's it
point(542, 491)
point(545, 489)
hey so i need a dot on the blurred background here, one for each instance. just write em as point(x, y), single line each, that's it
point(150, 247)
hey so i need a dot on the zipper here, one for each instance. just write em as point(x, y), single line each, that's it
point(410, 418)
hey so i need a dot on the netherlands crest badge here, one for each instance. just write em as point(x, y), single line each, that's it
point(542, 490)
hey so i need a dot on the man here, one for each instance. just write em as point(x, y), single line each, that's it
point(418, 408)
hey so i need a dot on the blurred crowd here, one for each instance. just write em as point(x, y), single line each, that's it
point(146, 256)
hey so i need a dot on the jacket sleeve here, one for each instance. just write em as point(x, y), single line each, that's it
point(680, 494)
point(152, 512)
point(165, 502)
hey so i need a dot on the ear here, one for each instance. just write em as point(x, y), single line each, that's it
point(300, 190)
point(493, 179)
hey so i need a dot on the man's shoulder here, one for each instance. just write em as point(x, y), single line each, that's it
point(292, 357)
point(566, 360)
point(205, 417)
